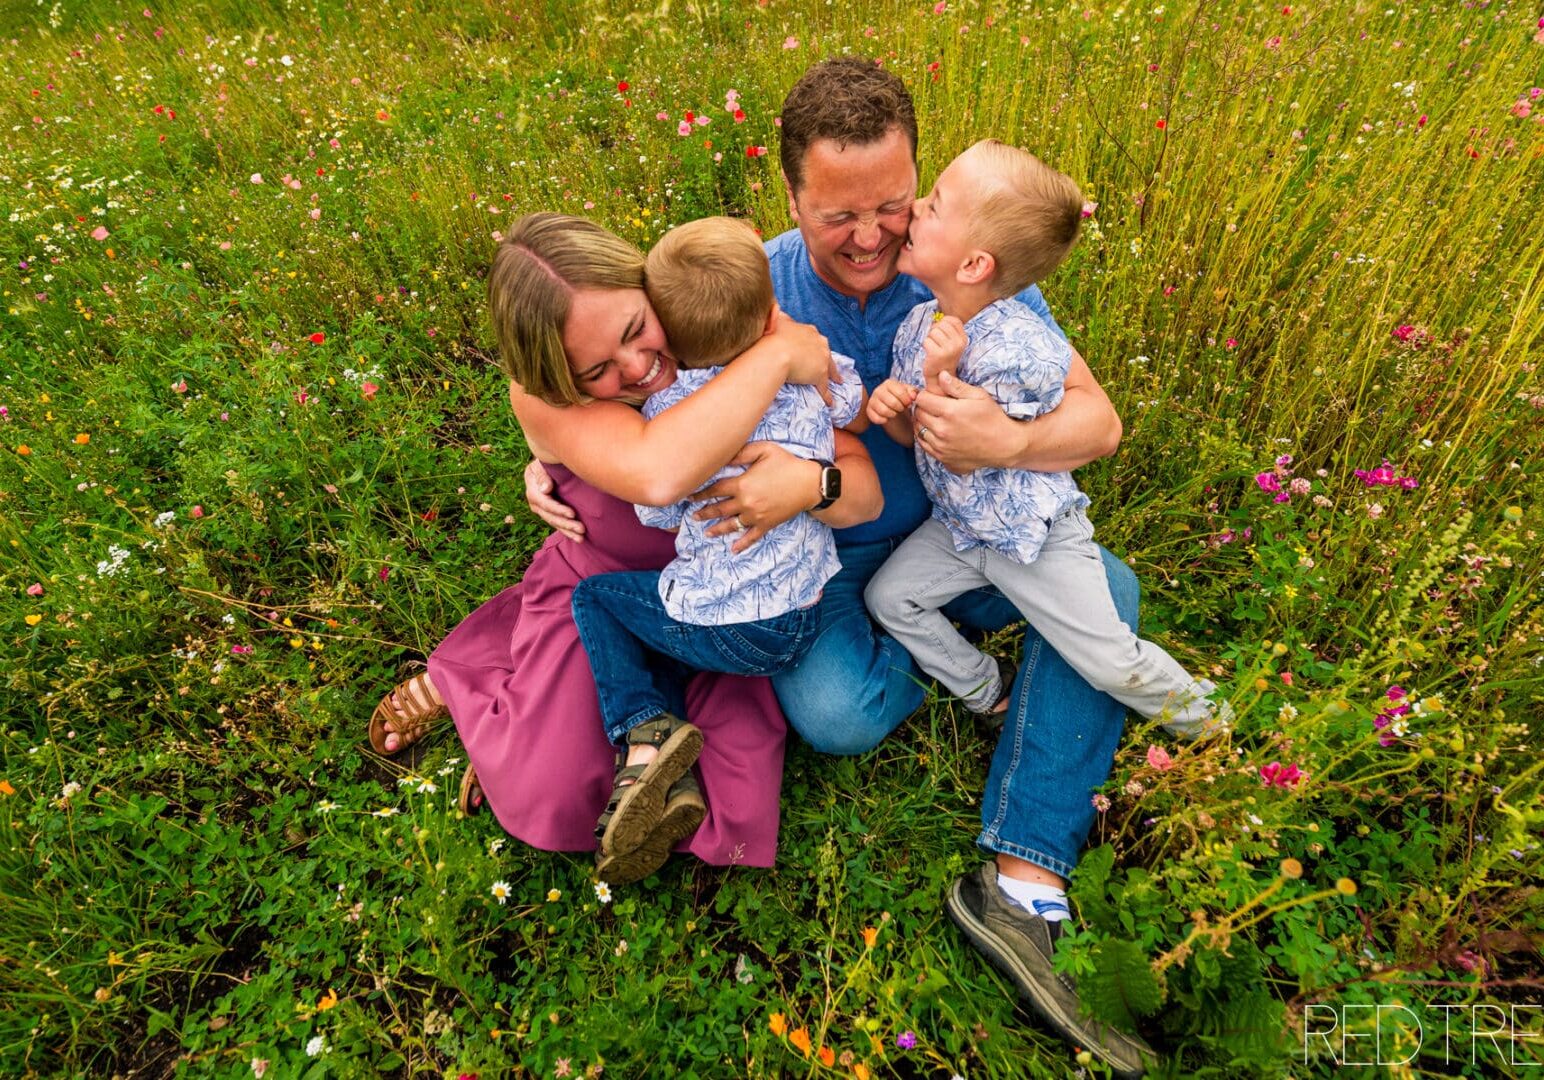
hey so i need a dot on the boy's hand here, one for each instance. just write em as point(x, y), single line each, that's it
point(941, 350)
point(890, 399)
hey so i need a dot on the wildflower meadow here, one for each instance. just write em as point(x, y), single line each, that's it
point(256, 458)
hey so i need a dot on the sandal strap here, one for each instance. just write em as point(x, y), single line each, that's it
point(655, 732)
point(626, 777)
point(415, 698)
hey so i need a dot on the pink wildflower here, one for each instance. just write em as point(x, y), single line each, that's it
point(1286, 777)
point(1267, 481)
point(197, 512)
point(35, 589)
point(1159, 758)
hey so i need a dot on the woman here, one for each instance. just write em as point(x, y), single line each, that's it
point(582, 347)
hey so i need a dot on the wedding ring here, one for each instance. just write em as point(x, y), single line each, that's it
point(922, 432)
point(739, 523)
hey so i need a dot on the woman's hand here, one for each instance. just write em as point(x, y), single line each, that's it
point(545, 505)
point(775, 486)
point(805, 350)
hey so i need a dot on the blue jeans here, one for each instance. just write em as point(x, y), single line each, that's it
point(857, 684)
point(622, 620)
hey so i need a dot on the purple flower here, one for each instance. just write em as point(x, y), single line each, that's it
point(906, 1040)
point(1281, 497)
point(1268, 481)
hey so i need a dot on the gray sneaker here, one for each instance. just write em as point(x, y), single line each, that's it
point(1020, 944)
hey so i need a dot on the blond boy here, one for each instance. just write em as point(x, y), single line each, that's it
point(997, 220)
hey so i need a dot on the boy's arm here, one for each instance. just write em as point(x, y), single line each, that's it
point(847, 397)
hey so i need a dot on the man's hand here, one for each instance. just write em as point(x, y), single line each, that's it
point(965, 427)
point(941, 351)
point(775, 486)
point(552, 510)
point(890, 399)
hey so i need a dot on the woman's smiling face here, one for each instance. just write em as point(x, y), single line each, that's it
point(615, 345)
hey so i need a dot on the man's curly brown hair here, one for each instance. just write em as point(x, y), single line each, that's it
point(849, 99)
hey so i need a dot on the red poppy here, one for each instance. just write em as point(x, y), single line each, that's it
point(318, 337)
point(622, 87)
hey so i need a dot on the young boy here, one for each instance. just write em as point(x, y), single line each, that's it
point(997, 220)
point(747, 613)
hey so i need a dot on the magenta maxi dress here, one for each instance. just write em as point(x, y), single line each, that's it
point(518, 685)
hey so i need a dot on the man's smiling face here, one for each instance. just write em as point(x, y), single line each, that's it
point(853, 207)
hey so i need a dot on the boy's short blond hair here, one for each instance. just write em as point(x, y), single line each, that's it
point(711, 287)
point(1027, 215)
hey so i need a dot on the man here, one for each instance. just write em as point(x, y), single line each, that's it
point(849, 139)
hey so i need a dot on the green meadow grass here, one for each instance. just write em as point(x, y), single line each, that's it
point(1317, 242)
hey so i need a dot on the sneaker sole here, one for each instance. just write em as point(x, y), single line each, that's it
point(1003, 959)
point(642, 805)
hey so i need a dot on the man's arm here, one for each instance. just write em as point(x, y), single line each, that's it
point(968, 430)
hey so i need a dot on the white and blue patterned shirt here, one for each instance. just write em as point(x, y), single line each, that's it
point(709, 585)
point(1014, 356)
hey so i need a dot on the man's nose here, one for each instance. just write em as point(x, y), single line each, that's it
point(866, 232)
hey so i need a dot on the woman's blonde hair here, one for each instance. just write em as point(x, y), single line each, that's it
point(542, 260)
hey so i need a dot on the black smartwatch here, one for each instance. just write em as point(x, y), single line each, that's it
point(830, 484)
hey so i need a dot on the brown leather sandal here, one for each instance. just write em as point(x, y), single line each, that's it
point(470, 799)
point(418, 711)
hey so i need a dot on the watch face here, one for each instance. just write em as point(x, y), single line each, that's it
point(830, 482)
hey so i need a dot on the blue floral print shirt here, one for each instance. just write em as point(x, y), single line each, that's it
point(1014, 356)
point(709, 585)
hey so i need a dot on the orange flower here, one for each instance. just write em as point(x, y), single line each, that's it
point(24, 450)
point(800, 1037)
point(860, 1070)
point(827, 1056)
point(82, 439)
point(6, 788)
point(777, 1024)
point(870, 935)
point(329, 1000)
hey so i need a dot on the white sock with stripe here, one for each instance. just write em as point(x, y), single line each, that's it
point(1047, 901)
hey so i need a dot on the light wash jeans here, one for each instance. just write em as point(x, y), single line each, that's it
point(857, 684)
point(1063, 595)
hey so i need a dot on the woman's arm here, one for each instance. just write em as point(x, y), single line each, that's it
point(968, 430)
point(776, 485)
point(610, 445)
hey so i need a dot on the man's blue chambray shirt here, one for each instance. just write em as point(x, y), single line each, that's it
point(1012, 355)
point(707, 584)
point(866, 334)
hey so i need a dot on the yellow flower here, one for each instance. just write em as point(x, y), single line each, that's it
point(777, 1024)
point(553, 896)
point(33, 620)
point(1346, 887)
point(1291, 869)
point(860, 1071)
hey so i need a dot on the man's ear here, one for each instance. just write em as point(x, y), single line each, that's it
point(977, 269)
point(793, 207)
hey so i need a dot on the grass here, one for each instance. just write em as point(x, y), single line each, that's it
point(1316, 238)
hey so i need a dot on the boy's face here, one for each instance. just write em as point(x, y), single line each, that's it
point(939, 241)
point(852, 208)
